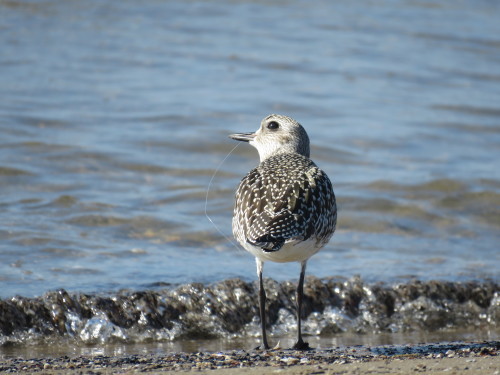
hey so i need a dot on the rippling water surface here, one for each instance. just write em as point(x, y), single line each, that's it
point(114, 117)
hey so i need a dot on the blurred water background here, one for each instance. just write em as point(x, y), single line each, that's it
point(114, 117)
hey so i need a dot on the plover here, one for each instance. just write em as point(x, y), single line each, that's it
point(285, 209)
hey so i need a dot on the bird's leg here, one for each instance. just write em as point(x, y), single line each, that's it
point(262, 304)
point(300, 344)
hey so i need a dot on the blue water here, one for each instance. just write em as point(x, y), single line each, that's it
point(114, 117)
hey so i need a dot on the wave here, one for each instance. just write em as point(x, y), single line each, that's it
point(229, 309)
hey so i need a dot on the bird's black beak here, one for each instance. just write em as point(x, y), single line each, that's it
point(245, 137)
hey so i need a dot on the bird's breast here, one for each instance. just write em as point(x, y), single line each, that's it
point(292, 251)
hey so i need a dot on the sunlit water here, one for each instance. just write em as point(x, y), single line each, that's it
point(114, 117)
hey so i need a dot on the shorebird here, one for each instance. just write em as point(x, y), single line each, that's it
point(285, 209)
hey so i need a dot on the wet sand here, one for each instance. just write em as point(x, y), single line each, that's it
point(446, 358)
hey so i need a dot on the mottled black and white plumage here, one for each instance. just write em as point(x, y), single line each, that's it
point(285, 209)
point(288, 200)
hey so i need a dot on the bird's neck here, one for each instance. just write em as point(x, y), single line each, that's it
point(266, 153)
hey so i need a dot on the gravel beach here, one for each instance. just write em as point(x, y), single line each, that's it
point(445, 358)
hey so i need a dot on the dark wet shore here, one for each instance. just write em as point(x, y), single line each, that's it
point(229, 309)
point(420, 358)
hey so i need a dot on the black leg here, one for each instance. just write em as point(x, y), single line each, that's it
point(262, 305)
point(300, 344)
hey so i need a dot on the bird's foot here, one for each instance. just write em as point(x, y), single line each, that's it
point(262, 347)
point(301, 345)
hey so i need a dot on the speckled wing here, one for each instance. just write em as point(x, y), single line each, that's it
point(286, 198)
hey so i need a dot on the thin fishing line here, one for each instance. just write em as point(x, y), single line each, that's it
point(208, 191)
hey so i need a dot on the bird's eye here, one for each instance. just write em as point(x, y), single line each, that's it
point(273, 125)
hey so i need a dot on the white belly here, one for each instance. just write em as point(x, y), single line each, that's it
point(293, 251)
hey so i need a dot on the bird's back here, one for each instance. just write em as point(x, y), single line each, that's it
point(286, 200)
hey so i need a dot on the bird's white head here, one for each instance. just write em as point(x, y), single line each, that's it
point(277, 135)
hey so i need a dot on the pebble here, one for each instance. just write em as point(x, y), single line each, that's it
point(290, 360)
point(273, 359)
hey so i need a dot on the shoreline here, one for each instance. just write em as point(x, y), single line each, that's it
point(449, 358)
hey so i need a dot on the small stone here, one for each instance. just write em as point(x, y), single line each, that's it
point(420, 367)
point(486, 351)
point(290, 360)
